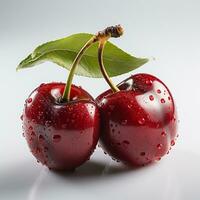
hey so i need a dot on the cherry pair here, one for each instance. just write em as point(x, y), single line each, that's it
point(135, 120)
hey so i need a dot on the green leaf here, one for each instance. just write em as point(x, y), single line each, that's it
point(63, 52)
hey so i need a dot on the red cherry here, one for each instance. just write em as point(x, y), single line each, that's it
point(60, 135)
point(138, 123)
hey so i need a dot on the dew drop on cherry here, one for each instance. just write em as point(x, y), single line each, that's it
point(151, 97)
point(162, 100)
point(159, 146)
point(163, 134)
point(126, 142)
point(41, 138)
point(148, 82)
point(158, 91)
point(172, 142)
point(46, 149)
point(29, 100)
point(33, 133)
point(21, 117)
point(124, 122)
point(56, 138)
point(141, 121)
point(38, 150)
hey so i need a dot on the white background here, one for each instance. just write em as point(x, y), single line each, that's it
point(168, 31)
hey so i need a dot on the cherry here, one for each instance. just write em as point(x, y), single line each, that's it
point(61, 135)
point(139, 122)
point(61, 121)
point(138, 117)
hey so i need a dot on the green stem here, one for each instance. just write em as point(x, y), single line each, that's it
point(103, 71)
point(66, 94)
point(102, 37)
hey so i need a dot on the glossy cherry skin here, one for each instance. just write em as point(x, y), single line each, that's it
point(138, 123)
point(61, 136)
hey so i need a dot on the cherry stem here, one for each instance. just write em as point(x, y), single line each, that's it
point(66, 94)
point(103, 71)
point(102, 37)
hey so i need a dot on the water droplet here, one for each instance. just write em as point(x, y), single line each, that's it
point(148, 82)
point(113, 159)
point(151, 97)
point(169, 98)
point(159, 146)
point(38, 150)
point(126, 142)
point(129, 106)
point(163, 134)
point(46, 149)
point(142, 153)
point(56, 138)
point(124, 122)
point(172, 143)
point(141, 121)
point(32, 133)
point(29, 100)
point(21, 117)
point(158, 91)
point(162, 101)
point(41, 138)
